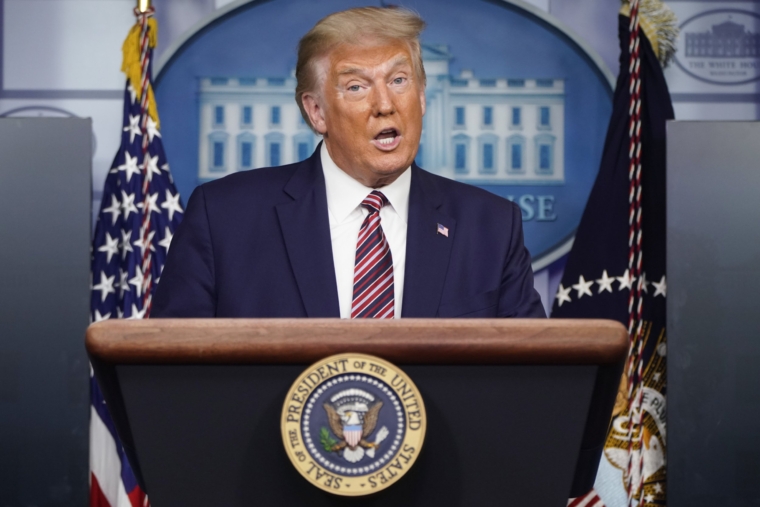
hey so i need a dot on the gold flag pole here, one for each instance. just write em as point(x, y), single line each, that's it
point(143, 5)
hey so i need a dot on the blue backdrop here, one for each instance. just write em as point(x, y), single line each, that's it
point(491, 38)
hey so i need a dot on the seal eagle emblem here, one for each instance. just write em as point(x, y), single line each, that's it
point(353, 424)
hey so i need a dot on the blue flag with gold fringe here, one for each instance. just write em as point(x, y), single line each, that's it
point(616, 269)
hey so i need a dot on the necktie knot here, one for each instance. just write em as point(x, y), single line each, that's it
point(374, 201)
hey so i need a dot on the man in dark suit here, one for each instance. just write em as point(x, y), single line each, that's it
point(357, 230)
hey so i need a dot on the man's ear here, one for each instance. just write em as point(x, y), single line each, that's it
point(423, 103)
point(313, 107)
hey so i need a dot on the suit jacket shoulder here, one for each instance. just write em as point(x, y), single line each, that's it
point(254, 188)
point(488, 273)
point(244, 243)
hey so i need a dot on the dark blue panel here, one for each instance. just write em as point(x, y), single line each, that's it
point(713, 252)
point(45, 199)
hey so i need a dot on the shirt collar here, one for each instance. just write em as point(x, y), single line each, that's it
point(345, 194)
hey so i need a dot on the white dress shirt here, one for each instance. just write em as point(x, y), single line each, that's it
point(344, 198)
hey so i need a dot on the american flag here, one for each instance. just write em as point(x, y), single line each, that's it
point(139, 213)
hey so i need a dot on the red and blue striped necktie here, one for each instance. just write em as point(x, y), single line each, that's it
point(373, 269)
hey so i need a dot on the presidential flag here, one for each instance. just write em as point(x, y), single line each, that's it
point(616, 269)
point(139, 213)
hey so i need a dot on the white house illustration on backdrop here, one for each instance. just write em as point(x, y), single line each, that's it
point(481, 131)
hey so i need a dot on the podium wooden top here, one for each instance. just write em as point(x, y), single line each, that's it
point(403, 341)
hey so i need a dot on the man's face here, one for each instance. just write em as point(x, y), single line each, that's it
point(370, 110)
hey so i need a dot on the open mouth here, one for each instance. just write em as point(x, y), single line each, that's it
point(387, 138)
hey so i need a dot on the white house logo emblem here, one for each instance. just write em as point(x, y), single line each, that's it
point(353, 424)
point(721, 47)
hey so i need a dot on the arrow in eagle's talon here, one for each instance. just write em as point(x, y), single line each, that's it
point(382, 434)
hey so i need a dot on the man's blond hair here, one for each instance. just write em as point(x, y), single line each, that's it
point(356, 26)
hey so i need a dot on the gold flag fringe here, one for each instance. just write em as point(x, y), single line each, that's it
point(131, 65)
point(660, 26)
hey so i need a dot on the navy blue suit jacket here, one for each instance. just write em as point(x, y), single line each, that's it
point(257, 244)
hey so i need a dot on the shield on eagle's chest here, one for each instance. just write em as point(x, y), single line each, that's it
point(352, 434)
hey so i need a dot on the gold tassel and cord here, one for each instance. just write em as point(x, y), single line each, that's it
point(131, 64)
point(660, 26)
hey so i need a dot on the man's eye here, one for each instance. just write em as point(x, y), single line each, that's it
point(353, 88)
point(399, 80)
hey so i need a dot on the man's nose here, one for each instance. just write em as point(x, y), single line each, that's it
point(383, 101)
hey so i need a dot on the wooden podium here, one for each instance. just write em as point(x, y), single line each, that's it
point(517, 410)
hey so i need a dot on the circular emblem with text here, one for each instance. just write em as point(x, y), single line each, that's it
point(353, 424)
point(720, 46)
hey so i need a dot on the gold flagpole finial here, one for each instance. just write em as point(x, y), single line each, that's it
point(143, 5)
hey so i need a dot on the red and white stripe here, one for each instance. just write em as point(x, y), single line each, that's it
point(373, 270)
point(145, 54)
point(590, 499)
point(634, 479)
point(353, 437)
point(106, 486)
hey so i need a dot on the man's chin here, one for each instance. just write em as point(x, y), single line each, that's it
point(390, 169)
point(389, 163)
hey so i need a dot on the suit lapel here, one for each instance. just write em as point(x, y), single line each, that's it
point(306, 228)
point(427, 251)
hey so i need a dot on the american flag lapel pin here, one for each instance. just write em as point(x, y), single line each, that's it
point(443, 231)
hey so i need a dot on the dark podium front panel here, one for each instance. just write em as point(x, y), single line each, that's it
point(497, 435)
point(522, 424)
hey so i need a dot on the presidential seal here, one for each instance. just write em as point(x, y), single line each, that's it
point(353, 424)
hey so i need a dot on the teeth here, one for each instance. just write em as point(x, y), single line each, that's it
point(387, 140)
